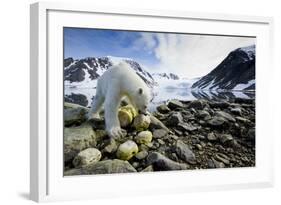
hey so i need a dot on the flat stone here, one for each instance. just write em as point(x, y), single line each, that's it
point(221, 159)
point(164, 109)
point(184, 152)
point(103, 167)
point(162, 163)
point(159, 133)
point(174, 104)
point(187, 127)
point(148, 169)
point(197, 104)
point(225, 115)
point(217, 121)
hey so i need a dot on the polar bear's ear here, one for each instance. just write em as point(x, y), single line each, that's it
point(140, 91)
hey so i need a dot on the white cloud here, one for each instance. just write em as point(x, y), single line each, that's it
point(189, 55)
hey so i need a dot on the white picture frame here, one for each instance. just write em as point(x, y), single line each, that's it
point(46, 176)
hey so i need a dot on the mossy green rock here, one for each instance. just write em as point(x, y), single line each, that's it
point(74, 114)
point(144, 137)
point(77, 139)
point(127, 150)
point(141, 122)
point(126, 115)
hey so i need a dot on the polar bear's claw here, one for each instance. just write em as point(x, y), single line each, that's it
point(115, 132)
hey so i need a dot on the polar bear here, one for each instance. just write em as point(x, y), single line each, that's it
point(116, 83)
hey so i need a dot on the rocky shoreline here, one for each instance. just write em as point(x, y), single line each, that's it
point(180, 135)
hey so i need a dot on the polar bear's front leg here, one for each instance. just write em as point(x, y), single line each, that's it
point(95, 107)
point(111, 106)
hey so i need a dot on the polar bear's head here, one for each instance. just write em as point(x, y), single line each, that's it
point(142, 98)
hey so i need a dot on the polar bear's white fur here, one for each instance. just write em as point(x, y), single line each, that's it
point(117, 82)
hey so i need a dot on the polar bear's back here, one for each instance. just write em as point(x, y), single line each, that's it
point(123, 75)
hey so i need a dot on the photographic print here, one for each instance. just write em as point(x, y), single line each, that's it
point(139, 101)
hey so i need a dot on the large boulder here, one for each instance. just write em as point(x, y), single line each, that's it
point(103, 167)
point(77, 139)
point(74, 114)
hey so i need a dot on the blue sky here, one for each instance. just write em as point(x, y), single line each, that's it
point(186, 55)
point(81, 43)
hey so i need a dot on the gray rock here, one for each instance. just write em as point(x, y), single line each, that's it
point(174, 119)
point(74, 114)
point(210, 163)
point(221, 105)
point(141, 155)
point(243, 120)
point(236, 111)
point(157, 124)
point(148, 169)
point(174, 104)
point(225, 115)
point(174, 137)
point(218, 164)
point(164, 109)
point(77, 139)
point(222, 158)
point(160, 141)
point(87, 157)
point(203, 114)
point(159, 133)
point(103, 167)
point(224, 138)
point(198, 146)
point(211, 137)
point(186, 127)
point(217, 121)
point(162, 163)
point(197, 104)
point(184, 152)
point(251, 134)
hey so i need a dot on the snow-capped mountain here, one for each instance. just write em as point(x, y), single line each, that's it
point(85, 72)
point(166, 76)
point(235, 72)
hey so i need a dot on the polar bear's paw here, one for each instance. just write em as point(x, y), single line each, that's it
point(115, 132)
